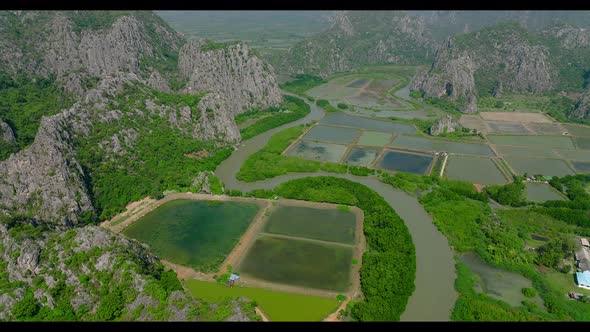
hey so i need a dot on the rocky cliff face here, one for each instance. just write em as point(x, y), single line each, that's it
point(358, 38)
point(45, 181)
point(444, 125)
point(582, 108)
point(486, 62)
point(232, 71)
point(6, 133)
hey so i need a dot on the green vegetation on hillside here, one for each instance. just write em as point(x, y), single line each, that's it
point(389, 264)
point(90, 20)
point(210, 45)
point(302, 83)
point(156, 162)
point(24, 101)
point(290, 110)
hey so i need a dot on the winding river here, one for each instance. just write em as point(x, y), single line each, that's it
point(435, 295)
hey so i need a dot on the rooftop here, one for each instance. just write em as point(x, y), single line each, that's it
point(583, 278)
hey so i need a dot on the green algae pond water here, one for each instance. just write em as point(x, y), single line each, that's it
point(428, 144)
point(199, 234)
point(361, 156)
point(321, 224)
point(474, 169)
point(534, 166)
point(299, 263)
point(405, 162)
point(318, 151)
point(332, 134)
point(561, 142)
point(341, 119)
point(541, 192)
point(374, 138)
point(500, 284)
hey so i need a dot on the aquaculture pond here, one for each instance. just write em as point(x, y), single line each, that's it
point(332, 134)
point(374, 138)
point(435, 145)
point(506, 150)
point(321, 224)
point(299, 262)
point(474, 169)
point(500, 284)
point(579, 155)
point(507, 127)
point(582, 142)
point(581, 167)
point(318, 151)
point(577, 130)
point(535, 166)
point(561, 142)
point(545, 128)
point(341, 119)
point(541, 192)
point(199, 234)
point(405, 162)
point(361, 156)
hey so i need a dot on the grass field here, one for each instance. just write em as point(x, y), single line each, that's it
point(320, 224)
point(299, 263)
point(199, 234)
point(560, 142)
point(278, 306)
point(565, 283)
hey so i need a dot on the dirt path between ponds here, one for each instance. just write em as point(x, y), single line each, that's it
point(261, 313)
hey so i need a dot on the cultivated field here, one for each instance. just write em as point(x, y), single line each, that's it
point(515, 117)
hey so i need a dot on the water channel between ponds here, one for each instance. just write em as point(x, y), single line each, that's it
point(435, 295)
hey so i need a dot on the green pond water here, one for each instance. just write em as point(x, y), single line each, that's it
point(582, 142)
point(405, 162)
point(299, 263)
point(500, 284)
point(579, 155)
point(473, 169)
point(506, 150)
point(427, 144)
point(561, 142)
point(342, 119)
point(361, 156)
point(321, 224)
point(332, 134)
point(507, 127)
point(374, 138)
point(541, 192)
point(318, 151)
point(577, 130)
point(534, 166)
point(199, 234)
point(581, 167)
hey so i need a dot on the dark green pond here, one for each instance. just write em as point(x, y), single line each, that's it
point(405, 162)
point(320, 224)
point(199, 234)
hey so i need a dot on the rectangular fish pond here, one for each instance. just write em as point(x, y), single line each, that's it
point(332, 134)
point(534, 166)
point(198, 234)
point(561, 142)
point(577, 130)
point(341, 119)
point(499, 284)
point(405, 162)
point(361, 156)
point(504, 127)
point(541, 192)
point(374, 138)
point(506, 150)
point(579, 155)
point(581, 166)
point(474, 169)
point(437, 145)
point(332, 225)
point(298, 262)
point(318, 151)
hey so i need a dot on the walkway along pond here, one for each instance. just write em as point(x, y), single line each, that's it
point(435, 295)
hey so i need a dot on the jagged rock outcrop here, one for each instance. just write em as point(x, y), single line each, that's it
point(491, 61)
point(215, 121)
point(444, 125)
point(45, 180)
point(6, 133)
point(571, 37)
point(358, 38)
point(582, 108)
point(232, 71)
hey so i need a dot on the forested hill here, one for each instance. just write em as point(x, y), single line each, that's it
point(507, 58)
point(99, 109)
